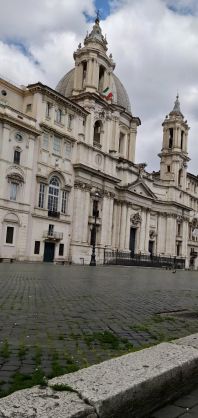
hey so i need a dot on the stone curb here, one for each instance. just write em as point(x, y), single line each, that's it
point(131, 386)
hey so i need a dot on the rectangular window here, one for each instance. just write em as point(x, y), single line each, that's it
point(70, 121)
point(48, 109)
point(9, 235)
point(51, 230)
point(29, 107)
point(68, 148)
point(37, 247)
point(95, 212)
point(57, 145)
point(64, 201)
point(13, 191)
point(59, 115)
point(17, 156)
point(168, 168)
point(41, 195)
point(45, 140)
point(61, 249)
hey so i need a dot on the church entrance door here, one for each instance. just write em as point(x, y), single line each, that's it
point(132, 240)
point(49, 252)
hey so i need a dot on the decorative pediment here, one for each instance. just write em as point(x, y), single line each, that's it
point(140, 188)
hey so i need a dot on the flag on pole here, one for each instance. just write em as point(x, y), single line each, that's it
point(107, 93)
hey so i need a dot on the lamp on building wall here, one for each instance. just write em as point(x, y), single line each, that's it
point(96, 197)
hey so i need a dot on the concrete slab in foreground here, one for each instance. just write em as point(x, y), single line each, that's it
point(131, 386)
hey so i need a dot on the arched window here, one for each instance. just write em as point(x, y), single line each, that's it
point(182, 139)
point(53, 195)
point(97, 132)
point(170, 145)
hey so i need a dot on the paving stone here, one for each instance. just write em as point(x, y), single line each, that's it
point(170, 411)
point(40, 302)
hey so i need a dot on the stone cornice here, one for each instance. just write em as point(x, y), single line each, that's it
point(56, 131)
point(39, 87)
point(19, 123)
point(96, 173)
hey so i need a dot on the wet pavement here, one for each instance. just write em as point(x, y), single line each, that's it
point(55, 319)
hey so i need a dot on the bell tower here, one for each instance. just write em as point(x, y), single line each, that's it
point(93, 67)
point(174, 153)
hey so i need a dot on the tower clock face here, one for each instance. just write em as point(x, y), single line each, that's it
point(19, 137)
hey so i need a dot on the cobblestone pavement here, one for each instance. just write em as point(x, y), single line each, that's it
point(185, 407)
point(56, 319)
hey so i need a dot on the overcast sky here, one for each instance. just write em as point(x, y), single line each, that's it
point(154, 44)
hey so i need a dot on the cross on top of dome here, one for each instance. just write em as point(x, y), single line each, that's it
point(96, 34)
point(176, 108)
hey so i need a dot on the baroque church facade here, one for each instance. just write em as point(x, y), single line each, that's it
point(67, 163)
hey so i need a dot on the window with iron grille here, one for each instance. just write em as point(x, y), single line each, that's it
point(64, 201)
point(37, 247)
point(41, 195)
point(53, 194)
point(61, 249)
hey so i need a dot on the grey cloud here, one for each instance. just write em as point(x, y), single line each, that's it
point(155, 50)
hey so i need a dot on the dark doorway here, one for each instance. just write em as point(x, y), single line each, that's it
point(150, 248)
point(49, 252)
point(132, 240)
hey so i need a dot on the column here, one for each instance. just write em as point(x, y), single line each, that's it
point(161, 234)
point(146, 241)
point(132, 142)
point(127, 233)
point(142, 232)
point(76, 216)
point(86, 216)
point(114, 226)
point(170, 235)
point(184, 251)
point(110, 217)
point(116, 134)
point(105, 221)
point(123, 226)
point(118, 225)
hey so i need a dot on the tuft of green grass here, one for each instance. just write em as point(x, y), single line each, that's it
point(22, 350)
point(5, 349)
point(38, 354)
point(60, 387)
point(107, 340)
point(21, 381)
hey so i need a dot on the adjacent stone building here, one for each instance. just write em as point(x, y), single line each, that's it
point(67, 160)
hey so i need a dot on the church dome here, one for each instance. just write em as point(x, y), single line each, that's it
point(120, 96)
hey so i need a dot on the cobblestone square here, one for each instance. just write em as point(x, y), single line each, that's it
point(55, 319)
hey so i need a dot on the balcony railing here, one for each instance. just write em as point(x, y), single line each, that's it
point(53, 235)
